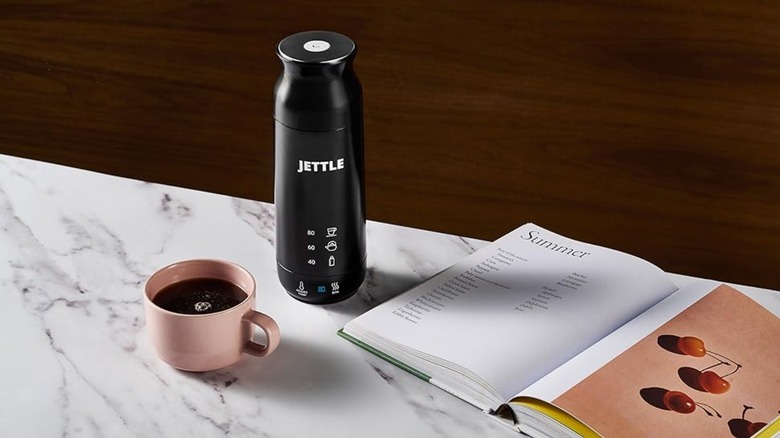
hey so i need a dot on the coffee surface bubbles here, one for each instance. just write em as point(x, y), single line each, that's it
point(199, 296)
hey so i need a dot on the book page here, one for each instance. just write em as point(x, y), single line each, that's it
point(520, 307)
point(704, 362)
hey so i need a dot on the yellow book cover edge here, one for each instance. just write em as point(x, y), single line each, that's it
point(557, 414)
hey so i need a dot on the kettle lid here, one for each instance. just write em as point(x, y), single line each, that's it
point(315, 47)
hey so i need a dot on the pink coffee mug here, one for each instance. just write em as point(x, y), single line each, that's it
point(209, 341)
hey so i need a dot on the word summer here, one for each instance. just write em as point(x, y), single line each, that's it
point(552, 246)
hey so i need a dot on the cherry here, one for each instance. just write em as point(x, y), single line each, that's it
point(692, 346)
point(755, 427)
point(679, 402)
point(752, 428)
point(708, 380)
point(713, 383)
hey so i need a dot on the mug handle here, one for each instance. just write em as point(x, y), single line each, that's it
point(271, 330)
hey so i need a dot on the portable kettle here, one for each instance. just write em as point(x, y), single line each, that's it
point(319, 170)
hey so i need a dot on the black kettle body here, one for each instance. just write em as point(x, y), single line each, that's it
point(319, 187)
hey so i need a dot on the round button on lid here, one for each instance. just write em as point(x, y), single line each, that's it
point(316, 46)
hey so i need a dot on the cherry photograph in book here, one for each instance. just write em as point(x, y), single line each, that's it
point(713, 370)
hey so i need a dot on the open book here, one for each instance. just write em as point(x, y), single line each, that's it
point(563, 338)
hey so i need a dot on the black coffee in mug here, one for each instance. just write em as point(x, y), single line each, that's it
point(199, 296)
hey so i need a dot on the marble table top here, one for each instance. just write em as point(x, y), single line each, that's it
point(76, 248)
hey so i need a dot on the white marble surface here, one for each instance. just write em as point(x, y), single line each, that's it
point(75, 250)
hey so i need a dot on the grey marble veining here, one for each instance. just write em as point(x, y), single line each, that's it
point(75, 250)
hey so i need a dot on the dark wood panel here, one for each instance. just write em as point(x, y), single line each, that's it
point(652, 127)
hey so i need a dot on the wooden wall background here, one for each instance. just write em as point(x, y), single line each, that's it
point(649, 126)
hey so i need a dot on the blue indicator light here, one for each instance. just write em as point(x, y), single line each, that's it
point(321, 289)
